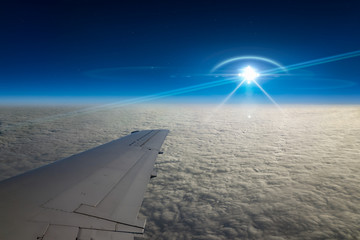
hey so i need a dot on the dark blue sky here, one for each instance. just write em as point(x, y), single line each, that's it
point(99, 49)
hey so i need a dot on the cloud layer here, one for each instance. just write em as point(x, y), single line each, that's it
point(223, 175)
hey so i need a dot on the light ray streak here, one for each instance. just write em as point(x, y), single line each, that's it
point(315, 62)
point(129, 101)
point(225, 100)
point(230, 95)
point(173, 92)
point(268, 96)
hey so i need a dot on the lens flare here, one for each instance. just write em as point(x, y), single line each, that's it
point(279, 68)
point(250, 75)
point(263, 59)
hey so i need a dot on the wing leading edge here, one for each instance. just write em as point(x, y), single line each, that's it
point(93, 195)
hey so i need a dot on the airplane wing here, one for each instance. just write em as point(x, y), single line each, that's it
point(94, 195)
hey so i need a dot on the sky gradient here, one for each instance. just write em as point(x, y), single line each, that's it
point(81, 50)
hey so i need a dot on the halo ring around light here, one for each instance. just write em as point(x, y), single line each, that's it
point(248, 58)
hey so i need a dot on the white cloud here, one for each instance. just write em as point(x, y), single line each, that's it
point(223, 175)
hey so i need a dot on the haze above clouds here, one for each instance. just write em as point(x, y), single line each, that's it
point(223, 175)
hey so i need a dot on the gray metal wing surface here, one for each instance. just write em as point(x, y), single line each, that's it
point(94, 195)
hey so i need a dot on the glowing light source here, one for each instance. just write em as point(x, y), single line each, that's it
point(249, 74)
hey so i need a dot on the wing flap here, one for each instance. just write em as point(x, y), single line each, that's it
point(94, 188)
point(60, 232)
point(56, 232)
point(89, 234)
point(122, 204)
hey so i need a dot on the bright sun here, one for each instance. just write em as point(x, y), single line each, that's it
point(249, 74)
